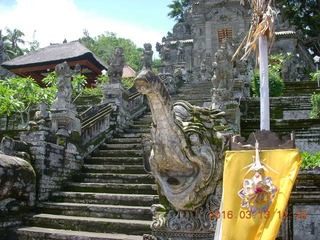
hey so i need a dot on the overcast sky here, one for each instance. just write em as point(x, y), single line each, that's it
point(51, 21)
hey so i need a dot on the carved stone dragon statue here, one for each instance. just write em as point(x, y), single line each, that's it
point(187, 155)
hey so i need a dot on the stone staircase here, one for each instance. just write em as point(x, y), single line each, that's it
point(288, 113)
point(109, 199)
point(195, 93)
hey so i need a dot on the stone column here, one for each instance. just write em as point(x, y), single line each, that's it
point(114, 92)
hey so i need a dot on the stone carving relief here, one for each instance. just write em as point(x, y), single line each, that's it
point(223, 68)
point(180, 52)
point(206, 68)
point(116, 64)
point(181, 31)
point(293, 69)
point(165, 53)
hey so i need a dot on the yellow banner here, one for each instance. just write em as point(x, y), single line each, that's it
point(237, 222)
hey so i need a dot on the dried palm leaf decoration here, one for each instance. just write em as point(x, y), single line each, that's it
point(262, 23)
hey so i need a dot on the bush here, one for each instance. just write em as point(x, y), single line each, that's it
point(315, 76)
point(315, 100)
point(309, 160)
point(275, 84)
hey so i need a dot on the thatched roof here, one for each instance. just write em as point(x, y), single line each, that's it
point(55, 54)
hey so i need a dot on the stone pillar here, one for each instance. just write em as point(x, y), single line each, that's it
point(115, 95)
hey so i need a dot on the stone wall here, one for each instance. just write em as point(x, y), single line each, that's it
point(303, 216)
point(53, 165)
point(17, 191)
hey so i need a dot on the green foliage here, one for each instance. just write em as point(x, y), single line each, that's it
point(156, 63)
point(178, 9)
point(127, 82)
point(309, 160)
point(78, 82)
point(92, 92)
point(21, 94)
point(315, 76)
point(102, 79)
point(50, 79)
point(34, 45)
point(305, 15)
point(11, 42)
point(275, 61)
point(104, 45)
point(315, 101)
point(275, 84)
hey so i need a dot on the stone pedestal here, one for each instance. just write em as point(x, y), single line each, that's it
point(115, 94)
point(223, 100)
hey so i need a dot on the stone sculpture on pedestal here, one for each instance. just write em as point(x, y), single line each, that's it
point(147, 56)
point(116, 64)
point(64, 119)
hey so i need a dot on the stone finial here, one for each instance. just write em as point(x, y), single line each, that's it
point(116, 64)
point(147, 56)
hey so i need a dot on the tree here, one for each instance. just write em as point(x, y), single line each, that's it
point(104, 44)
point(179, 9)
point(34, 45)
point(12, 41)
point(305, 15)
point(20, 95)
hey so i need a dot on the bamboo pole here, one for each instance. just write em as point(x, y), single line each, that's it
point(264, 84)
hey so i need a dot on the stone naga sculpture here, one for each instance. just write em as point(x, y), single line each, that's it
point(187, 155)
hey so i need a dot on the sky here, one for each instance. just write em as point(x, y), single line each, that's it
point(52, 21)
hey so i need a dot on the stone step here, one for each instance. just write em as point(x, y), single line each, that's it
point(106, 198)
point(96, 210)
point(125, 146)
point(303, 88)
point(102, 225)
point(118, 153)
point(39, 233)
point(198, 85)
point(193, 102)
point(116, 178)
point(141, 125)
point(125, 140)
point(114, 160)
point(128, 135)
point(112, 188)
point(193, 96)
point(94, 168)
point(137, 130)
point(280, 107)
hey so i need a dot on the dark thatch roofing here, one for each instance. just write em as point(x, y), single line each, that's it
point(55, 54)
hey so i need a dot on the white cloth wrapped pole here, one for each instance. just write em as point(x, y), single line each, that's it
point(264, 84)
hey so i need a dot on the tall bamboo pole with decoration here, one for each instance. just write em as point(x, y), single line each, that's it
point(259, 38)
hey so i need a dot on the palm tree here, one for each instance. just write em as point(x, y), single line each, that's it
point(178, 9)
point(12, 39)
